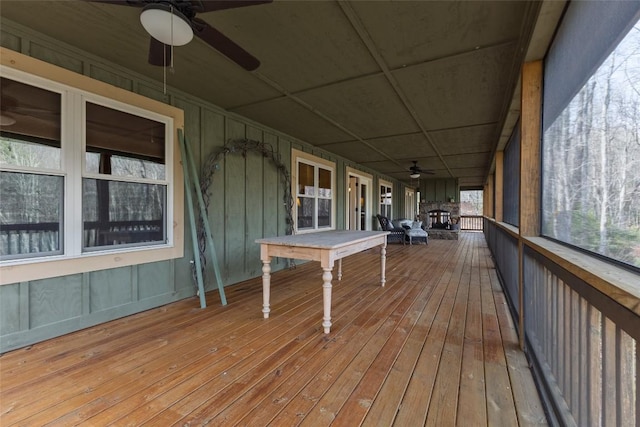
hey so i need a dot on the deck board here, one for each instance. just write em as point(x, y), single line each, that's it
point(435, 346)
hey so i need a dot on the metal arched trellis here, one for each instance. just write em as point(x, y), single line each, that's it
point(212, 164)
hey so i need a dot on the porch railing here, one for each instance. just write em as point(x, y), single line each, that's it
point(472, 222)
point(582, 344)
point(45, 237)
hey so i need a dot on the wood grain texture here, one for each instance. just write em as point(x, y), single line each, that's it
point(530, 123)
point(619, 284)
point(488, 206)
point(435, 346)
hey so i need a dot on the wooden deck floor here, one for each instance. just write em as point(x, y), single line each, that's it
point(436, 346)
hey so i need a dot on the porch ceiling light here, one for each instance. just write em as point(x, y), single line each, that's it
point(415, 175)
point(166, 24)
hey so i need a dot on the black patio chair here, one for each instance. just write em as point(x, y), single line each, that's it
point(396, 234)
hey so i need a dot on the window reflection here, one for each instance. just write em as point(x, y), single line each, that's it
point(118, 213)
point(591, 178)
point(123, 144)
point(31, 217)
point(306, 210)
point(29, 126)
point(306, 182)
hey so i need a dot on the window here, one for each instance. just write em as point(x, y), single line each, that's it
point(31, 176)
point(591, 144)
point(123, 188)
point(386, 190)
point(83, 175)
point(314, 181)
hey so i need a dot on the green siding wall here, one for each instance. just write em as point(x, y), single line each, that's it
point(246, 203)
point(439, 190)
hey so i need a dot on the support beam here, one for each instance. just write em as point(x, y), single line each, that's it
point(529, 170)
point(488, 195)
point(499, 186)
point(530, 149)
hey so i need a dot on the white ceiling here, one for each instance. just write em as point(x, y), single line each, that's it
point(382, 83)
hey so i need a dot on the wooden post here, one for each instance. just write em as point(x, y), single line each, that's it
point(499, 186)
point(488, 198)
point(529, 169)
point(530, 149)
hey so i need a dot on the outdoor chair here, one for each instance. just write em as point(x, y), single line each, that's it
point(396, 234)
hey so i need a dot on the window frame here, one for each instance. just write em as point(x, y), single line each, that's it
point(169, 170)
point(388, 186)
point(588, 70)
point(298, 157)
point(75, 89)
point(44, 171)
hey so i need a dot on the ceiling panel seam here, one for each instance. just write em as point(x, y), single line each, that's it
point(358, 26)
point(319, 113)
point(432, 61)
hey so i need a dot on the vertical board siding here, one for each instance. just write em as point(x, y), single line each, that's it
point(246, 202)
point(152, 279)
point(582, 344)
point(11, 41)
point(271, 193)
point(213, 138)
point(235, 206)
point(58, 58)
point(284, 148)
point(437, 189)
point(254, 204)
point(56, 299)
point(110, 288)
point(107, 76)
point(10, 313)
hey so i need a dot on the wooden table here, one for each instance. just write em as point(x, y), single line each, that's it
point(326, 247)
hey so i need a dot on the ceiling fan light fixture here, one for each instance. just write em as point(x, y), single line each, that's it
point(415, 175)
point(166, 24)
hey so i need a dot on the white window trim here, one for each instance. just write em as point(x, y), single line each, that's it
point(21, 67)
point(368, 180)
point(382, 182)
point(410, 206)
point(298, 156)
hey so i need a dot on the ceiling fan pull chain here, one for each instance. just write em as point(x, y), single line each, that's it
point(171, 37)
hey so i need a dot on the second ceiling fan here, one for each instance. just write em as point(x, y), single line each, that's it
point(174, 23)
point(416, 170)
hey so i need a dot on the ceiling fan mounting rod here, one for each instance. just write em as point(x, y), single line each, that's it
point(183, 6)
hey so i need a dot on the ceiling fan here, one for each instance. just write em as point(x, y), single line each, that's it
point(417, 170)
point(174, 23)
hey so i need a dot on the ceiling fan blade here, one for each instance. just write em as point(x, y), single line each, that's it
point(213, 5)
point(159, 53)
point(134, 3)
point(224, 45)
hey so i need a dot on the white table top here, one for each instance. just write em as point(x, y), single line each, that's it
point(324, 239)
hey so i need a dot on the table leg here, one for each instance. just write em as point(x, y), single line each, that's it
point(326, 299)
point(340, 269)
point(383, 261)
point(266, 287)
